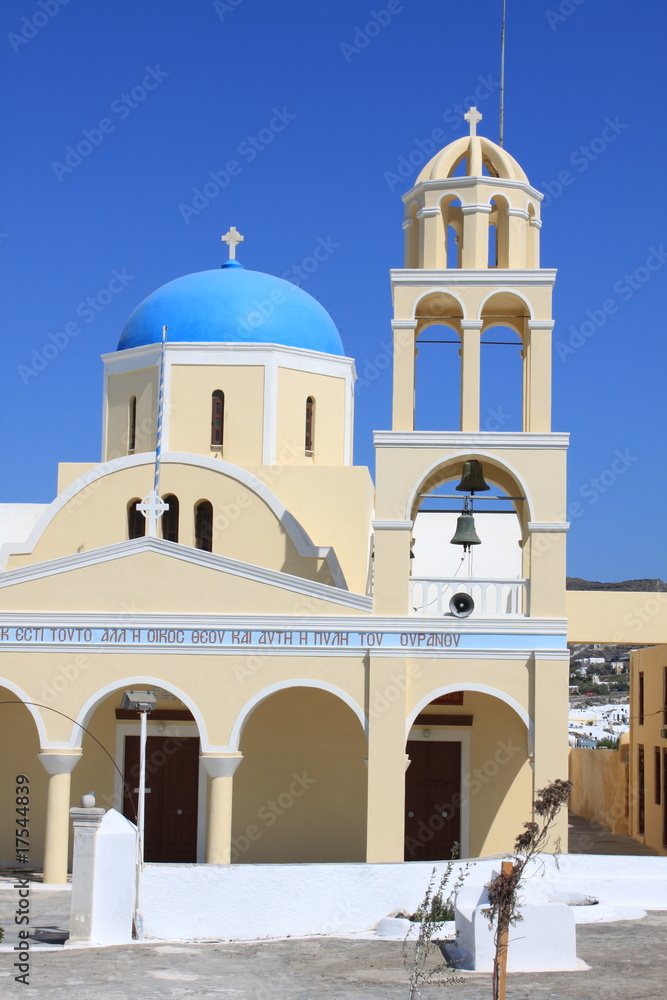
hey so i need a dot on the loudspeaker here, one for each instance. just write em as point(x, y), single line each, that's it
point(461, 605)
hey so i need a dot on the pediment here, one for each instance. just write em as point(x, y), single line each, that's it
point(150, 575)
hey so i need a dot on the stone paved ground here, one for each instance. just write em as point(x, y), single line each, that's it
point(586, 837)
point(628, 962)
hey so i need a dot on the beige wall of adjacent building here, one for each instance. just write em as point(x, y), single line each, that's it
point(600, 785)
point(648, 729)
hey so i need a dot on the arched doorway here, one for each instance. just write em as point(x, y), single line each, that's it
point(175, 783)
point(469, 782)
point(300, 793)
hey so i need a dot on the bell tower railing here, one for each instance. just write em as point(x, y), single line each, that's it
point(430, 597)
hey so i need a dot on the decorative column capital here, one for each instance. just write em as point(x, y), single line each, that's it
point(87, 818)
point(472, 209)
point(472, 324)
point(541, 324)
point(58, 762)
point(221, 765)
point(403, 324)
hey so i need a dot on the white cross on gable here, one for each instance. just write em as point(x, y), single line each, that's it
point(232, 239)
point(473, 117)
point(152, 507)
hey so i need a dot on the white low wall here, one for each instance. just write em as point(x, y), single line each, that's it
point(245, 902)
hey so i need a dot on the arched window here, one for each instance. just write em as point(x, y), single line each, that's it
point(204, 525)
point(136, 522)
point(217, 418)
point(310, 426)
point(132, 426)
point(170, 519)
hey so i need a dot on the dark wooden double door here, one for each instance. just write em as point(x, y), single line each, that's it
point(432, 800)
point(172, 780)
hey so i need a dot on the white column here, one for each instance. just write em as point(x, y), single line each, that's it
point(59, 767)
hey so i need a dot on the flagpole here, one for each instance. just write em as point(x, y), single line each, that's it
point(501, 130)
point(152, 506)
point(160, 414)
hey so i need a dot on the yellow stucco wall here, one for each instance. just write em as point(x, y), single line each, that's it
point(616, 616)
point(190, 410)
point(142, 384)
point(294, 387)
point(652, 663)
point(300, 792)
point(600, 791)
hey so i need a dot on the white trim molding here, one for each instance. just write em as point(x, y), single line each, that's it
point(173, 550)
point(500, 440)
point(392, 525)
point(449, 185)
point(549, 526)
point(257, 699)
point(504, 279)
point(295, 530)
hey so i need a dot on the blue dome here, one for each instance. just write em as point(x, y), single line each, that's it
point(232, 305)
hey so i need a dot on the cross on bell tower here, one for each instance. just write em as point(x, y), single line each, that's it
point(473, 117)
point(232, 238)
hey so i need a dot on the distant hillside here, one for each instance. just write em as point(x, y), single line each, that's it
point(576, 583)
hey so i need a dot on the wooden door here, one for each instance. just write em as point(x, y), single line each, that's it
point(664, 798)
point(432, 800)
point(172, 779)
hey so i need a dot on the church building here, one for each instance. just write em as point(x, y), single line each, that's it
point(334, 680)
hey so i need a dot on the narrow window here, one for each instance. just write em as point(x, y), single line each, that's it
point(664, 798)
point(310, 425)
point(204, 526)
point(664, 696)
point(657, 776)
point(217, 418)
point(640, 708)
point(640, 791)
point(132, 426)
point(170, 519)
point(136, 522)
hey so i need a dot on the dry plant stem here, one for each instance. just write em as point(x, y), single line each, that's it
point(503, 890)
point(500, 965)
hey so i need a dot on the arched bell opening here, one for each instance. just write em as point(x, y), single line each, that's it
point(469, 540)
point(300, 794)
point(452, 222)
point(499, 234)
point(438, 363)
point(504, 335)
point(469, 782)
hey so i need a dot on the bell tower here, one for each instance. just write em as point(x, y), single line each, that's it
point(472, 227)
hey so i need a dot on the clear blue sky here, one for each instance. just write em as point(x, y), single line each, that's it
point(209, 77)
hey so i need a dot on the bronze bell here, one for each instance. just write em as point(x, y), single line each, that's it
point(465, 533)
point(472, 480)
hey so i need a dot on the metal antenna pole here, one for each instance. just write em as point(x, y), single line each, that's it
point(501, 129)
